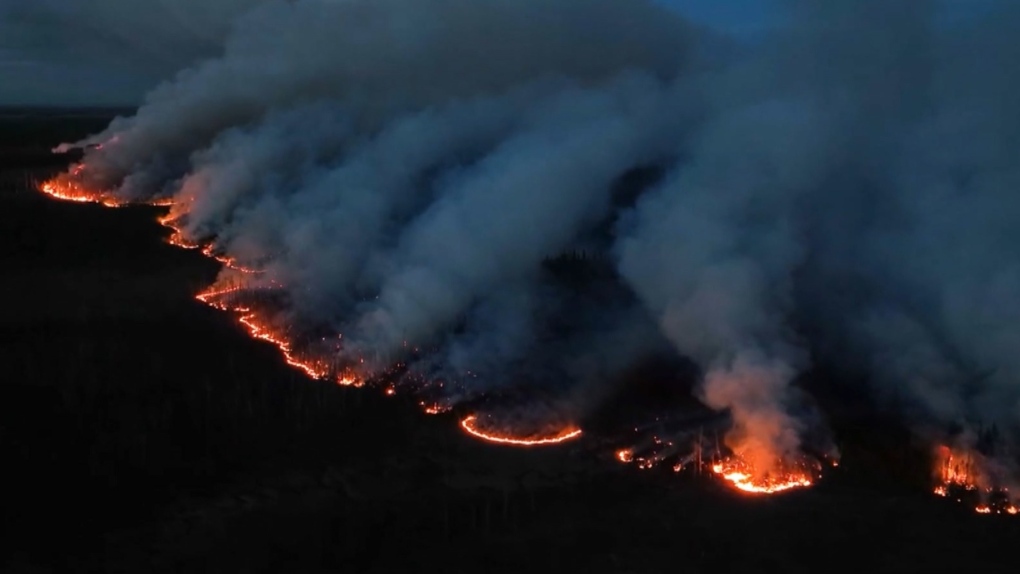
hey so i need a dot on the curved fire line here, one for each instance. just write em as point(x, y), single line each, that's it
point(566, 435)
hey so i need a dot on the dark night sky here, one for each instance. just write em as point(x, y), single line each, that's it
point(112, 51)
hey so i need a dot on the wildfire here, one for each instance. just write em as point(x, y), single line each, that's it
point(350, 381)
point(226, 261)
point(67, 188)
point(177, 239)
point(259, 325)
point(433, 408)
point(259, 328)
point(963, 474)
point(743, 476)
point(470, 426)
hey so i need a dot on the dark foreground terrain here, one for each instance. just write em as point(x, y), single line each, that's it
point(143, 432)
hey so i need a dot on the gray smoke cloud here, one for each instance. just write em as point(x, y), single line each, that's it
point(407, 170)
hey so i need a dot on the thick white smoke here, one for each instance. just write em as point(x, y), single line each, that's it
point(843, 192)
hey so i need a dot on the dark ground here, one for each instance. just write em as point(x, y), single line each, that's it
point(143, 432)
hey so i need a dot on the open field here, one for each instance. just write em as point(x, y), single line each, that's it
point(144, 432)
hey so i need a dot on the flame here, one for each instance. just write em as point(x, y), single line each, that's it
point(963, 473)
point(433, 408)
point(225, 260)
point(957, 469)
point(743, 476)
point(69, 188)
point(349, 380)
point(172, 222)
point(567, 434)
point(260, 328)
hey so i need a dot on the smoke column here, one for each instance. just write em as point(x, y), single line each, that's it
point(841, 192)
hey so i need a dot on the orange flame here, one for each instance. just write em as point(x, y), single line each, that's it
point(225, 260)
point(784, 476)
point(67, 188)
point(177, 239)
point(959, 471)
point(433, 408)
point(567, 434)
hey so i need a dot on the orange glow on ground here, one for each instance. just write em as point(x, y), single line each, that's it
point(470, 426)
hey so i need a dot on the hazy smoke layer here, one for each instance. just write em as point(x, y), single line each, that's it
point(843, 192)
point(106, 51)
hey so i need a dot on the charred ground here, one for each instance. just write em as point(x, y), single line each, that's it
point(144, 432)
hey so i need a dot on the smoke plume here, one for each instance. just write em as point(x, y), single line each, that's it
point(407, 172)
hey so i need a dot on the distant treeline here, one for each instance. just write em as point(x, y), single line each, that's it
point(27, 136)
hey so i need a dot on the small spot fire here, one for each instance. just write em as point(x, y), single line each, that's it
point(784, 474)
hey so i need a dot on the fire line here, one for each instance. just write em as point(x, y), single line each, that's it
point(469, 425)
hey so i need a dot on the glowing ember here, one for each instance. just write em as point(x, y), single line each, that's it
point(350, 381)
point(624, 455)
point(785, 476)
point(469, 424)
point(433, 408)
